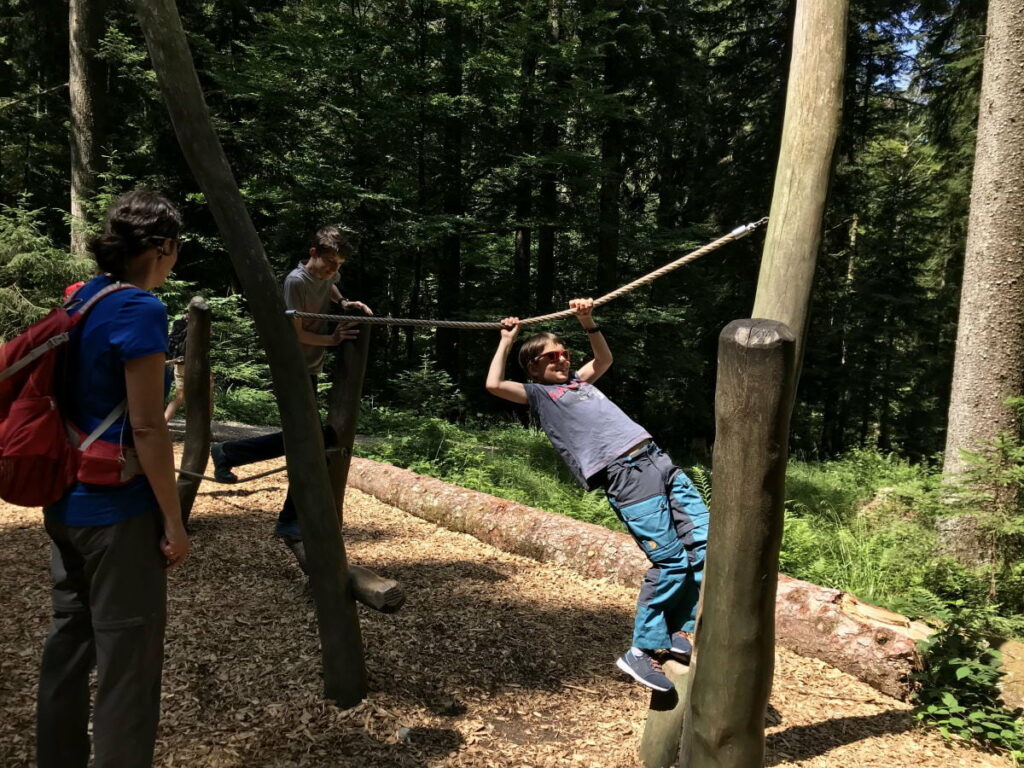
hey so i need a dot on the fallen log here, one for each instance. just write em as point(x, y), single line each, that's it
point(870, 643)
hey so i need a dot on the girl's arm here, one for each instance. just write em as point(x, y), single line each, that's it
point(602, 361)
point(144, 378)
point(497, 384)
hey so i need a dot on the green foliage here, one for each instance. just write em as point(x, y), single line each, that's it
point(427, 390)
point(33, 271)
point(958, 687)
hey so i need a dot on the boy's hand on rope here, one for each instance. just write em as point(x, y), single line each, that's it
point(511, 329)
point(584, 309)
point(357, 305)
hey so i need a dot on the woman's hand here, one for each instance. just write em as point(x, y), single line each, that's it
point(511, 329)
point(174, 544)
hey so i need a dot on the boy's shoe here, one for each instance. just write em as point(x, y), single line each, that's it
point(681, 648)
point(289, 530)
point(221, 469)
point(645, 669)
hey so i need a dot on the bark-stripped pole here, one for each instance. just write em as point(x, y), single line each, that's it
point(732, 671)
point(375, 591)
point(814, 101)
point(338, 623)
point(343, 409)
point(659, 746)
point(198, 405)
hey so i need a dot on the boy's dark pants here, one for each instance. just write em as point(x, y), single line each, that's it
point(266, 447)
point(109, 611)
point(665, 515)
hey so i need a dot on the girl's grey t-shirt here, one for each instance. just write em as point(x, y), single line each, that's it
point(306, 293)
point(587, 429)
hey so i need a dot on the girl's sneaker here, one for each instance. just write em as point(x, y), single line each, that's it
point(645, 669)
point(681, 648)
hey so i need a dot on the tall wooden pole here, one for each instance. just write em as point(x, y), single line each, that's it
point(343, 410)
point(732, 672)
point(198, 405)
point(340, 640)
point(814, 100)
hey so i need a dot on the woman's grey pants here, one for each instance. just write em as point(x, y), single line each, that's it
point(109, 610)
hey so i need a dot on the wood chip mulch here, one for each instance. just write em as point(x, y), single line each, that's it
point(495, 660)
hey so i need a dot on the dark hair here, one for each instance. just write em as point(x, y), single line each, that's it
point(331, 238)
point(136, 222)
point(533, 346)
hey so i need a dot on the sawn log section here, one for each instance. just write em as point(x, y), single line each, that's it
point(872, 644)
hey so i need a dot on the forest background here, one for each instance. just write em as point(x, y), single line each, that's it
point(495, 158)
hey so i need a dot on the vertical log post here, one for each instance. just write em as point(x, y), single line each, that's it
point(341, 644)
point(732, 671)
point(343, 410)
point(659, 746)
point(198, 405)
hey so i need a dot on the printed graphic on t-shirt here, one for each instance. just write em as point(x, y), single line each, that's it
point(581, 389)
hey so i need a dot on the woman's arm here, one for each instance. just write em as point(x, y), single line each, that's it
point(497, 384)
point(602, 361)
point(144, 378)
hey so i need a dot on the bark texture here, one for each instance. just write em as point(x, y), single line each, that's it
point(989, 363)
point(873, 644)
point(86, 93)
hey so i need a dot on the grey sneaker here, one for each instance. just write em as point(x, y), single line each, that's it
point(221, 469)
point(645, 669)
point(681, 648)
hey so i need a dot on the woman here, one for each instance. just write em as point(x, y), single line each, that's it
point(112, 544)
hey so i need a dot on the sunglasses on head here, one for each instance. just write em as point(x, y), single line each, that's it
point(553, 356)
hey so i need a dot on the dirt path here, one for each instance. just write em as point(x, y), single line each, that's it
point(495, 660)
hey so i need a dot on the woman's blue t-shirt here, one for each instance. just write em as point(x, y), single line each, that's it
point(123, 326)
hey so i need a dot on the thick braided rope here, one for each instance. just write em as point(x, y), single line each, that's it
point(736, 234)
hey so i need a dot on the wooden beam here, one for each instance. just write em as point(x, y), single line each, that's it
point(338, 623)
point(814, 100)
point(198, 406)
point(659, 745)
point(735, 638)
point(373, 591)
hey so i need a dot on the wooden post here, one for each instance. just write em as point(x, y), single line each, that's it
point(373, 591)
point(343, 409)
point(198, 405)
point(659, 746)
point(732, 670)
point(337, 620)
point(814, 100)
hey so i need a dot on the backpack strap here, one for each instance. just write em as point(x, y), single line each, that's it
point(35, 354)
point(82, 311)
point(103, 425)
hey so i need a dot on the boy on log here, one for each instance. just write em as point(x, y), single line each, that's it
point(311, 287)
point(605, 449)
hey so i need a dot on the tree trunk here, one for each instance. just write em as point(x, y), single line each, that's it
point(548, 193)
point(86, 90)
point(449, 266)
point(875, 645)
point(337, 620)
point(613, 139)
point(989, 365)
point(814, 98)
point(198, 405)
point(732, 674)
point(520, 293)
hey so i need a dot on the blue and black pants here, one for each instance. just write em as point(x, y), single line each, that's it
point(666, 516)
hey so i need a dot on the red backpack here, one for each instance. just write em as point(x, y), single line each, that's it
point(40, 455)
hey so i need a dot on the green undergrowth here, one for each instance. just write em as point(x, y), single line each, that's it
point(864, 523)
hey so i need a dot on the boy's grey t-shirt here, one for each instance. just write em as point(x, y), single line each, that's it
point(587, 429)
point(304, 292)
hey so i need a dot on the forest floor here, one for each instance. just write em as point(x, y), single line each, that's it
point(495, 660)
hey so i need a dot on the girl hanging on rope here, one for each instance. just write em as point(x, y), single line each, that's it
point(604, 448)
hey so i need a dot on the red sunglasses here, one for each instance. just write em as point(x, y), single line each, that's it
point(553, 356)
